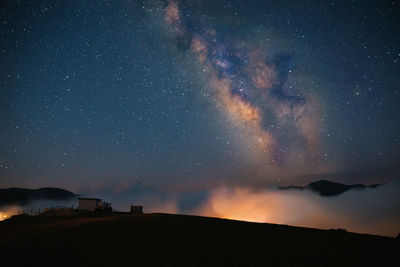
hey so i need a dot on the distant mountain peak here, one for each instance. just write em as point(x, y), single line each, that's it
point(23, 196)
point(328, 188)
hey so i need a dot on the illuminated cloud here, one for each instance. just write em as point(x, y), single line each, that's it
point(304, 208)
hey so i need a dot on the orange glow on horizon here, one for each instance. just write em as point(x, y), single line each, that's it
point(300, 208)
point(3, 216)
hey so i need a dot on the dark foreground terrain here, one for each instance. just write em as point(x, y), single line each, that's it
point(120, 239)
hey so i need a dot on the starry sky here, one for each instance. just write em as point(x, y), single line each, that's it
point(186, 96)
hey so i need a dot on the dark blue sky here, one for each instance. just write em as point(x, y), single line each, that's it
point(188, 95)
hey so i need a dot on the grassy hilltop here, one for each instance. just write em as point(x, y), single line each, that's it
point(169, 240)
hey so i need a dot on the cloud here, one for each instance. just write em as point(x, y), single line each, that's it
point(373, 211)
point(35, 207)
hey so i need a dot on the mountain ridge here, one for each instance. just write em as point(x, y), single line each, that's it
point(24, 196)
point(328, 188)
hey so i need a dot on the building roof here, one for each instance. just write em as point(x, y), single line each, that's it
point(89, 198)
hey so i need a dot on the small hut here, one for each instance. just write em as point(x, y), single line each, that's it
point(91, 204)
point(136, 209)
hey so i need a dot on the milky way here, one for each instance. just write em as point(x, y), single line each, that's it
point(252, 86)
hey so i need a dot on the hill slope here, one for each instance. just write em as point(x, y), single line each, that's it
point(176, 240)
point(22, 196)
point(328, 188)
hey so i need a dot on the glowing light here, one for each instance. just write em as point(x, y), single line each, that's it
point(3, 216)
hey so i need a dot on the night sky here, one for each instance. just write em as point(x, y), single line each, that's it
point(182, 97)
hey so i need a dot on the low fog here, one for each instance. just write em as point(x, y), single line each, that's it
point(369, 210)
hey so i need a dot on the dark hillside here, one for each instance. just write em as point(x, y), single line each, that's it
point(179, 240)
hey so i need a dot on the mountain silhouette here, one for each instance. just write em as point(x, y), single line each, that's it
point(23, 196)
point(327, 188)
